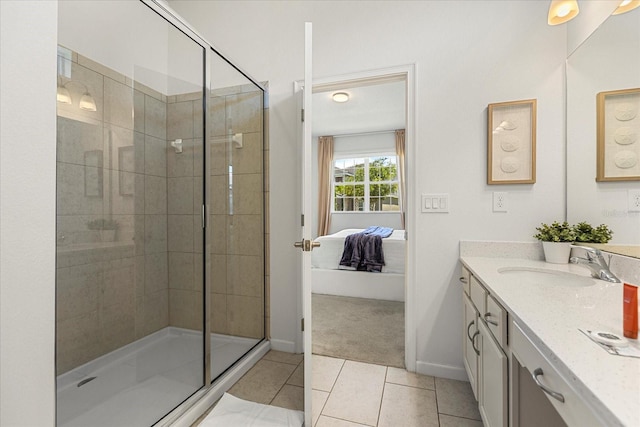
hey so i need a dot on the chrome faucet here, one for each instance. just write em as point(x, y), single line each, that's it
point(596, 263)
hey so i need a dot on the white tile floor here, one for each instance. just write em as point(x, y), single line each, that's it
point(346, 393)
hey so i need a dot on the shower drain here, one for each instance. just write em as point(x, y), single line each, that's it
point(86, 380)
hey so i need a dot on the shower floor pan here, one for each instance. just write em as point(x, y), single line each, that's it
point(139, 383)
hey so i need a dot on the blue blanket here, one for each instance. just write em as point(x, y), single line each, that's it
point(375, 230)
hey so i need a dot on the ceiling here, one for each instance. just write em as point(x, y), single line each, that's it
point(375, 107)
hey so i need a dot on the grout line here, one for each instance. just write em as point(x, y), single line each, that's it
point(384, 387)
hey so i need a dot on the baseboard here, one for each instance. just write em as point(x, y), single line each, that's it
point(442, 371)
point(281, 345)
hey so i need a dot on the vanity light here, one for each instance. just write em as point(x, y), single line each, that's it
point(63, 95)
point(625, 6)
point(340, 97)
point(87, 103)
point(561, 11)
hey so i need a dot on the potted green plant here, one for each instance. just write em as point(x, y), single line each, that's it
point(106, 227)
point(586, 233)
point(556, 241)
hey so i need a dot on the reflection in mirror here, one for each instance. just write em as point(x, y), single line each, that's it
point(608, 60)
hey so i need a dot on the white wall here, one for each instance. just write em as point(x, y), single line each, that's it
point(592, 14)
point(468, 54)
point(27, 212)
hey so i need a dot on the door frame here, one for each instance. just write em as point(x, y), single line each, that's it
point(408, 72)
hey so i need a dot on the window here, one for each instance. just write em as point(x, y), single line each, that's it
point(366, 184)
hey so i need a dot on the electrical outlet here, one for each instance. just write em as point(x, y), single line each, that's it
point(499, 201)
point(634, 201)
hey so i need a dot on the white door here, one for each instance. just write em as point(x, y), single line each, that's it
point(305, 243)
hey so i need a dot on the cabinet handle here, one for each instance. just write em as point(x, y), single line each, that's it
point(538, 372)
point(486, 318)
point(463, 279)
point(473, 342)
point(469, 327)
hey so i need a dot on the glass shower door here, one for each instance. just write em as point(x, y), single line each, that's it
point(237, 206)
point(129, 270)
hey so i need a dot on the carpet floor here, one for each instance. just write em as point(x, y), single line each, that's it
point(359, 329)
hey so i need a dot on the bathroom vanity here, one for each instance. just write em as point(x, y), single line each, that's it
point(528, 362)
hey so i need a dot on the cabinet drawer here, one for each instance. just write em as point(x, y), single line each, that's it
point(465, 276)
point(478, 295)
point(574, 411)
point(496, 318)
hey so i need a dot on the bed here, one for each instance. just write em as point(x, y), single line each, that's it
point(328, 279)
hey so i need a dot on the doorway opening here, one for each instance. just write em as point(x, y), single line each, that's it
point(360, 315)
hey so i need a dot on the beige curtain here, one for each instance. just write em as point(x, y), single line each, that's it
point(325, 161)
point(401, 180)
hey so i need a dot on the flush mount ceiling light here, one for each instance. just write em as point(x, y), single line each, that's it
point(625, 6)
point(561, 11)
point(340, 97)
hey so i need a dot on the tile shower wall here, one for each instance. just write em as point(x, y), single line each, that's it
point(237, 211)
point(112, 164)
point(116, 165)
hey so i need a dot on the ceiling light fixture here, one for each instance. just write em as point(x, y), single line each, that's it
point(86, 103)
point(340, 97)
point(625, 6)
point(561, 11)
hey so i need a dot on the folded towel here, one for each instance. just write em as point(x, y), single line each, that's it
point(378, 231)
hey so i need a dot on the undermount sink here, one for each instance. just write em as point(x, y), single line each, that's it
point(547, 276)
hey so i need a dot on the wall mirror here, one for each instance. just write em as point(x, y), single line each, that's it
point(608, 60)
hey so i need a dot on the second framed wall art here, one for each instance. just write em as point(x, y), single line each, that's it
point(511, 138)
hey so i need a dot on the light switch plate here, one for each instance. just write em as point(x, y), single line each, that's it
point(435, 203)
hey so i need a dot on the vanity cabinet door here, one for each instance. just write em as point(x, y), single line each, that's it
point(470, 342)
point(492, 380)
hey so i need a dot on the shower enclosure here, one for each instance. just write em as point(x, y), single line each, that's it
point(160, 271)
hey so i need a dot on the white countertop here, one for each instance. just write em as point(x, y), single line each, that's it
point(551, 316)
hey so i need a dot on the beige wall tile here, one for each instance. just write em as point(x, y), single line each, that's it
point(248, 194)
point(155, 112)
point(408, 406)
point(198, 116)
point(156, 311)
point(155, 273)
point(180, 231)
point(219, 273)
point(181, 271)
point(245, 112)
point(219, 322)
point(155, 156)
point(117, 325)
point(118, 104)
point(138, 234)
point(218, 234)
point(155, 195)
point(182, 164)
point(243, 231)
point(185, 309)
point(71, 198)
point(75, 137)
point(248, 159)
point(198, 234)
point(219, 197)
point(138, 111)
point(77, 290)
point(180, 196)
point(217, 116)
point(245, 275)
point(155, 234)
point(119, 285)
point(77, 342)
point(180, 120)
point(245, 316)
point(218, 156)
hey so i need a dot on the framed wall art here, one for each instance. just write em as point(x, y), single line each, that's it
point(511, 137)
point(618, 124)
